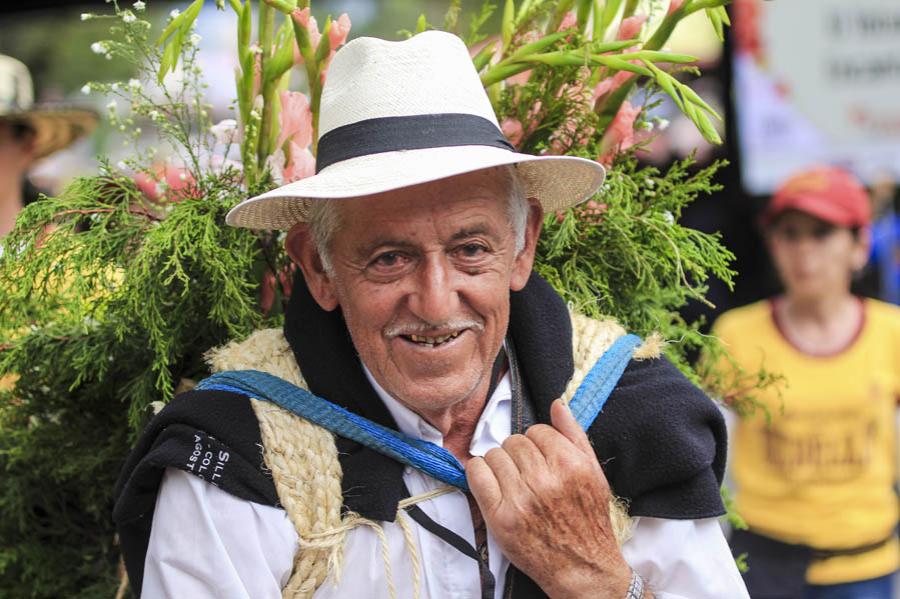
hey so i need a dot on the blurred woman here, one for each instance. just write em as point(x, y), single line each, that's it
point(815, 471)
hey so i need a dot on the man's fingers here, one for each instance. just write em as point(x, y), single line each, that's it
point(483, 484)
point(562, 420)
point(525, 453)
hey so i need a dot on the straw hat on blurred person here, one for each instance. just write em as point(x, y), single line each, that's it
point(55, 125)
point(28, 132)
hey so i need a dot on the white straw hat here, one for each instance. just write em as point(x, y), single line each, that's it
point(396, 114)
point(55, 125)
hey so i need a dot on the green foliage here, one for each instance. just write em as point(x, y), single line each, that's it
point(630, 259)
point(106, 313)
point(110, 295)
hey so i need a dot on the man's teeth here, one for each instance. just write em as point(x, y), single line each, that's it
point(434, 340)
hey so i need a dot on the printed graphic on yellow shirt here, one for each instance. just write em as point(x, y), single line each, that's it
point(824, 447)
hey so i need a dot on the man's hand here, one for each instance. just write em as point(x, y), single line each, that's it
point(545, 498)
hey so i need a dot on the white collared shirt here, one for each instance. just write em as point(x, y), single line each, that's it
point(205, 542)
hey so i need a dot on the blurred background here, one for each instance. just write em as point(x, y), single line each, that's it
point(799, 82)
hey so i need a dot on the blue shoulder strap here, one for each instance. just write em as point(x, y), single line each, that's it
point(431, 459)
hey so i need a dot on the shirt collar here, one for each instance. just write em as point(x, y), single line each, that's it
point(493, 427)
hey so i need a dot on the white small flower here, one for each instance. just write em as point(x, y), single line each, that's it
point(86, 16)
point(195, 39)
point(98, 48)
point(128, 17)
point(667, 216)
point(175, 12)
point(86, 89)
point(114, 86)
point(139, 6)
point(111, 105)
point(153, 115)
point(134, 84)
point(663, 124)
point(121, 166)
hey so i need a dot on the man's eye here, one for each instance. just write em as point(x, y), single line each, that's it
point(472, 250)
point(387, 259)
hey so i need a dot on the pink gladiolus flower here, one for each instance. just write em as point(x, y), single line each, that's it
point(631, 27)
point(570, 21)
point(611, 84)
point(674, 5)
point(307, 21)
point(337, 34)
point(619, 135)
point(295, 119)
point(513, 131)
point(301, 165)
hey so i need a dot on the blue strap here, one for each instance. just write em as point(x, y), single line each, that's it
point(427, 457)
point(603, 377)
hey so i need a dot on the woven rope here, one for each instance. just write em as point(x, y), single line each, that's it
point(302, 458)
point(304, 462)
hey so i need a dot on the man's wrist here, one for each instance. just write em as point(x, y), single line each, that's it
point(636, 588)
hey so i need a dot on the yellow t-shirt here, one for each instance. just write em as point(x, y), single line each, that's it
point(822, 472)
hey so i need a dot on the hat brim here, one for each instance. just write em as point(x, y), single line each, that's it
point(55, 128)
point(557, 182)
point(813, 206)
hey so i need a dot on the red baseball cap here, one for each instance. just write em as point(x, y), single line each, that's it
point(827, 193)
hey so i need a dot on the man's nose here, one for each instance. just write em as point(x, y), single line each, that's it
point(434, 299)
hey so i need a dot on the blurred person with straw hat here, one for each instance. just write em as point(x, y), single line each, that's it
point(29, 132)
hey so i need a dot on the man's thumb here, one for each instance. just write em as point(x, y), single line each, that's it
point(562, 420)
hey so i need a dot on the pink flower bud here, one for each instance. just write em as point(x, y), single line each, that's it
point(619, 135)
point(674, 5)
point(295, 119)
point(631, 27)
point(570, 21)
point(513, 131)
point(337, 34)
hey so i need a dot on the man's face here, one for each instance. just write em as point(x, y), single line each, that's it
point(814, 258)
point(423, 276)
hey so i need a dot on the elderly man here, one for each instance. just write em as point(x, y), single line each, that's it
point(418, 311)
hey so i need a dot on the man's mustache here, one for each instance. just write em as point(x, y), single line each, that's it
point(424, 328)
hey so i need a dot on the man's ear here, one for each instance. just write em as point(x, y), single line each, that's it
point(301, 247)
point(525, 258)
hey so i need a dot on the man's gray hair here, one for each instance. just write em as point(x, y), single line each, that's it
point(325, 219)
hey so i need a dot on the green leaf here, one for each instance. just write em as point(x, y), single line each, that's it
point(667, 83)
point(499, 73)
point(537, 46)
point(507, 24)
point(421, 23)
point(691, 96)
point(610, 10)
point(716, 20)
point(484, 56)
point(657, 56)
point(245, 27)
point(324, 48)
point(583, 13)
